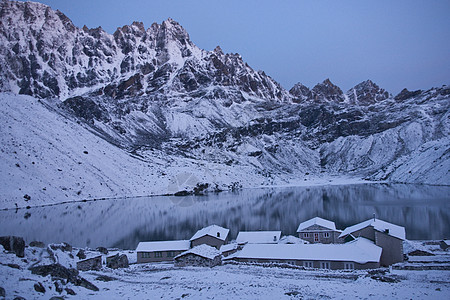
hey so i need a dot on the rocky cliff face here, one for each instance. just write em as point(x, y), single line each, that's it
point(153, 89)
point(43, 54)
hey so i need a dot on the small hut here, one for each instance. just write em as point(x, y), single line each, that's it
point(199, 256)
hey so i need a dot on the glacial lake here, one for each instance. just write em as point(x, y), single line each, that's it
point(422, 210)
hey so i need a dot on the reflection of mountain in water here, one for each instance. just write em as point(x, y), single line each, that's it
point(423, 210)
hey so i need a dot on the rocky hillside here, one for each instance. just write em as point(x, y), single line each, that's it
point(153, 93)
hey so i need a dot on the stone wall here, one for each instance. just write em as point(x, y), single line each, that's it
point(165, 256)
point(208, 240)
point(197, 261)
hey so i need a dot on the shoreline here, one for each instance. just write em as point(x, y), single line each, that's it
point(314, 182)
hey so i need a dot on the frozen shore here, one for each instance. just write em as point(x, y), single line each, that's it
point(164, 281)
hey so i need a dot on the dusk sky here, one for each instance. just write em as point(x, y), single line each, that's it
point(396, 44)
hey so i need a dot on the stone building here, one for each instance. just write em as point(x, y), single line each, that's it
point(318, 230)
point(160, 251)
point(212, 235)
point(386, 235)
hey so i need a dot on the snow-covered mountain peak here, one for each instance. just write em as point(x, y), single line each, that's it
point(218, 50)
point(300, 92)
point(50, 57)
point(367, 92)
point(327, 92)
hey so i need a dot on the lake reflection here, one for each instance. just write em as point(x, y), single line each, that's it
point(422, 210)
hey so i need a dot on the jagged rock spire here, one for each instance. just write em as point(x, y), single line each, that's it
point(327, 92)
point(366, 92)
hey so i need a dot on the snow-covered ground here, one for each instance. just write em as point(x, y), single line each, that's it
point(164, 281)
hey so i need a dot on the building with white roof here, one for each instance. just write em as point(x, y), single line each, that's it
point(388, 236)
point(229, 249)
point(160, 250)
point(290, 239)
point(212, 235)
point(258, 237)
point(318, 230)
point(358, 254)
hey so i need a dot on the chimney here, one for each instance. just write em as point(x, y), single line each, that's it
point(374, 216)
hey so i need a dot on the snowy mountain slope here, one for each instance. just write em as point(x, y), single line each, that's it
point(52, 159)
point(413, 148)
point(151, 97)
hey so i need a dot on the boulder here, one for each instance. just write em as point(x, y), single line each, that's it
point(105, 278)
point(94, 263)
point(63, 246)
point(59, 286)
point(117, 261)
point(420, 253)
point(69, 291)
point(81, 254)
point(57, 271)
point(38, 287)
point(102, 250)
point(37, 244)
point(13, 243)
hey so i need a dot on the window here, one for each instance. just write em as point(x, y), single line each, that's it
point(308, 264)
point(349, 266)
point(326, 234)
point(306, 235)
point(158, 254)
point(170, 254)
point(316, 237)
point(324, 265)
point(145, 255)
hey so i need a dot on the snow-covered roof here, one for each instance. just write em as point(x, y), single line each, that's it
point(202, 250)
point(181, 245)
point(317, 221)
point(228, 247)
point(258, 237)
point(379, 225)
point(360, 251)
point(290, 239)
point(212, 230)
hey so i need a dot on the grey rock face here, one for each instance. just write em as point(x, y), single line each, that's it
point(300, 93)
point(327, 92)
point(60, 59)
point(367, 93)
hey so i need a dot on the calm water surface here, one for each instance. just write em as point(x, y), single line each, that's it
point(422, 210)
